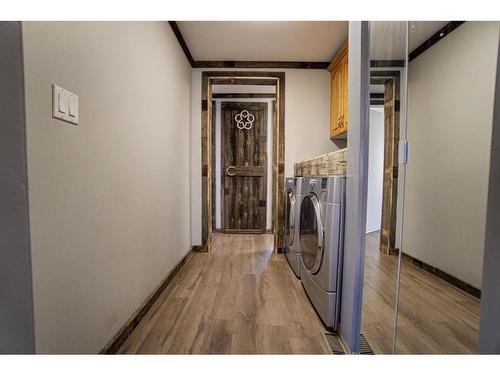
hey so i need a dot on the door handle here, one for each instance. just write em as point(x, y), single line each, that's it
point(229, 169)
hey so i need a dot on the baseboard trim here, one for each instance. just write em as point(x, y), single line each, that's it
point(462, 285)
point(117, 341)
point(199, 249)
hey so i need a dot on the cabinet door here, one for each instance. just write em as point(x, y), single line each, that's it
point(345, 76)
point(335, 101)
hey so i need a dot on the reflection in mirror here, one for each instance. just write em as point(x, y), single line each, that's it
point(451, 82)
point(387, 79)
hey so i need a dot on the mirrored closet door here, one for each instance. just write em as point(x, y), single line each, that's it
point(451, 84)
point(388, 63)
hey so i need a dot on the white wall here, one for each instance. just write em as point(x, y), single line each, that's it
point(109, 198)
point(375, 170)
point(451, 87)
point(307, 94)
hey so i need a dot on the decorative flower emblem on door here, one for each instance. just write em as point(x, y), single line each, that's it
point(244, 120)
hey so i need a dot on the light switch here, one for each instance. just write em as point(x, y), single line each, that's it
point(73, 106)
point(64, 105)
point(62, 102)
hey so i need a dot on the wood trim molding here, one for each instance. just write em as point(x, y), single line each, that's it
point(384, 73)
point(379, 80)
point(243, 96)
point(262, 64)
point(387, 63)
point(462, 285)
point(260, 81)
point(117, 341)
point(182, 42)
point(376, 98)
point(436, 37)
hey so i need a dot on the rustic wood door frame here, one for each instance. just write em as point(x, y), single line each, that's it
point(276, 79)
point(391, 81)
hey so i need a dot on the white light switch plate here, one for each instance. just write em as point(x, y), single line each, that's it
point(64, 105)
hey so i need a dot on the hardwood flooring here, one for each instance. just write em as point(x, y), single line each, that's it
point(434, 317)
point(242, 298)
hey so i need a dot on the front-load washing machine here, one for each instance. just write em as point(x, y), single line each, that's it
point(321, 236)
point(293, 188)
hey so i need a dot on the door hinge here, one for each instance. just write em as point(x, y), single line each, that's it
point(262, 203)
point(403, 152)
point(204, 105)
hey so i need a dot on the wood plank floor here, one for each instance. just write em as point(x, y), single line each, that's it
point(434, 317)
point(241, 298)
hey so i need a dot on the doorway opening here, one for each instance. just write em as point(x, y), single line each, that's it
point(375, 169)
point(242, 117)
point(235, 195)
point(390, 80)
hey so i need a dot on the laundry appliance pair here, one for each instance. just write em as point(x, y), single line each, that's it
point(314, 240)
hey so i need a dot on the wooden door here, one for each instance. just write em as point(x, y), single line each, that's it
point(243, 166)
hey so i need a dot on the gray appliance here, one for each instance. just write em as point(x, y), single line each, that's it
point(321, 238)
point(293, 187)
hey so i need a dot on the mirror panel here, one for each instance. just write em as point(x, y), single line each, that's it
point(451, 83)
point(388, 53)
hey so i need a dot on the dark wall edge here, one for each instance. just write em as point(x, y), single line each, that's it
point(489, 323)
point(17, 327)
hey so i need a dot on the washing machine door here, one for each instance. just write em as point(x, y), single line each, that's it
point(311, 233)
point(290, 218)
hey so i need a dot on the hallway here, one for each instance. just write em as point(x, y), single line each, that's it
point(240, 299)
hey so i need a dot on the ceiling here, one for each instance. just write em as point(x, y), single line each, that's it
point(388, 38)
point(263, 41)
point(311, 41)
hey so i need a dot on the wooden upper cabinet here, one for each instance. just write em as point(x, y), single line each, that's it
point(338, 94)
